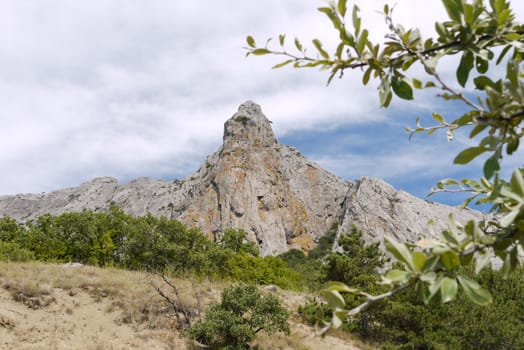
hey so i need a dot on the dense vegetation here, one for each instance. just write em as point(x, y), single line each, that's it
point(405, 322)
point(402, 322)
point(117, 239)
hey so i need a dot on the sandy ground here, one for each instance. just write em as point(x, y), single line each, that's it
point(75, 318)
point(74, 322)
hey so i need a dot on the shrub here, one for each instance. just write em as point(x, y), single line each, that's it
point(241, 314)
point(10, 251)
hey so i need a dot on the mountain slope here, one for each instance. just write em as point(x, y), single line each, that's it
point(255, 183)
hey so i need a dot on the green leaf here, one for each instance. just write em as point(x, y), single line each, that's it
point(468, 13)
point(433, 289)
point(430, 264)
point(498, 6)
point(450, 260)
point(258, 52)
point(510, 263)
point(512, 36)
point(482, 81)
point(503, 53)
point(338, 317)
point(481, 65)
point(326, 10)
point(318, 45)
point(401, 88)
point(340, 48)
point(512, 145)
point(464, 67)
point(481, 261)
point(491, 166)
point(431, 66)
point(362, 41)
point(448, 289)
point(281, 39)
point(512, 72)
point(453, 10)
point(384, 91)
point(477, 130)
point(251, 41)
point(474, 292)
point(356, 19)
point(341, 287)
point(503, 17)
point(417, 84)
point(397, 276)
point(419, 259)
point(509, 218)
point(399, 251)
point(464, 119)
point(333, 298)
point(468, 155)
point(517, 183)
point(441, 30)
point(438, 117)
point(450, 236)
point(298, 44)
point(366, 76)
point(342, 7)
point(490, 142)
point(282, 64)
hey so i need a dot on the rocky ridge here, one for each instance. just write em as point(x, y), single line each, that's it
point(255, 183)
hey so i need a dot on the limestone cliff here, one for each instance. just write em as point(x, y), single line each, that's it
point(378, 209)
point(255, 183)
point(266, 188)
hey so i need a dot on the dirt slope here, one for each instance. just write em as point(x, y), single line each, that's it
point(46, 306)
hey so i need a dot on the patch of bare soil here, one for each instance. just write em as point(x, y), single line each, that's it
point(74, 322)
point(46, 306)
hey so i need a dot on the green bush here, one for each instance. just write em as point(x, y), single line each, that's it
point(404, 322)
point(263, 270)
point(236, 240)
point(10, 251)
point(315, 312)
point(355, 264)
point(115, 238)
point(310, 266)
point(241, 314)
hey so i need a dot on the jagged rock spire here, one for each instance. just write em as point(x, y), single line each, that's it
point(248, 127)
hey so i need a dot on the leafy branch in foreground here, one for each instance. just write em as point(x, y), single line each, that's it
point(486, 36)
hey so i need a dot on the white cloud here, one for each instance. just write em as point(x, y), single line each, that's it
point(128, 88)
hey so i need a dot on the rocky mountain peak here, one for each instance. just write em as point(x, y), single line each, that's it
point(257, 184)
point(248, 127)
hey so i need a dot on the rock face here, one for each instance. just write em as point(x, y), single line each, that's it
point(255, 183)
point(378, 210)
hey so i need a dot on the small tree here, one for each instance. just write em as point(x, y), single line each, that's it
point(236, 240)
point(241, 314)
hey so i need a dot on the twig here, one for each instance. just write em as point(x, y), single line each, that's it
point(371, 299)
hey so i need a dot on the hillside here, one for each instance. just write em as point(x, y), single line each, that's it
point(257, 184)
point(48, 306)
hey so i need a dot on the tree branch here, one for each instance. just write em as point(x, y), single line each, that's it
point(371, 299)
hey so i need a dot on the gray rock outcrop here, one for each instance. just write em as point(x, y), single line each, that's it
point(255, 183)
point(377, 209)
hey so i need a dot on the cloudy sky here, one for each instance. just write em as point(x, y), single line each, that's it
point(129, 88)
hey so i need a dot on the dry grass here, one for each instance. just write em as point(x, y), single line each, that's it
point(125, 298)
point(50, 306)
point(130, 292)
